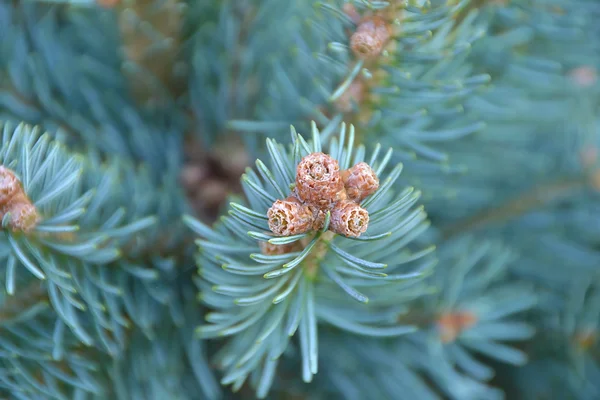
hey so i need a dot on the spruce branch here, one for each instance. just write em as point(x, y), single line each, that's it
point(538, 116)
point(87, 223)
point(266, 88)
point(357, 368)
point(566, 349)
point(529, 200)
point(152, 37)
point(37, 360)
point(392, 82)
point(40, 364)
point(477, 311)
point(334, 275)
point(86, 102)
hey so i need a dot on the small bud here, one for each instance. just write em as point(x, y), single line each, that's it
point(14, 200)
point(349, 219)
point(360, 182)
point(24, 217)
point(277, 249)
point(370, 38)
point(452, 324)
point(318, 180)
point(10, 186)
point(289, 217)
point(351, 97)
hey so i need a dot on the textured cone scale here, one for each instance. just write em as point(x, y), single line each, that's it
point(290, 217)
point(24, 217)
point(360, 181)
point(13, 200)
point(349, 219)
point(370, 38)
point(318, 180)
point(10, 187)
point(318, 217)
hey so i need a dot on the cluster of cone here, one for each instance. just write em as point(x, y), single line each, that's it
point(13, 200)
point(321, 187)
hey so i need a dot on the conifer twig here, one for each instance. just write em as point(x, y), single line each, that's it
point(535, 197)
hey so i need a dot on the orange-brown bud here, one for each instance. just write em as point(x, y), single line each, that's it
point(349, 219)
point(289, 217)
point(13, 200)
point(10, 186)
point(360, 181)
point(371, 36)
point(24, 217)
point(318, 180)
point(452, 324)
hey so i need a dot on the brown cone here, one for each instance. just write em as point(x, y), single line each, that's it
point(360, 182)
point(349, 219)
point(370, 38)
point(10, 186)
point(318, 180)
point(289, 217)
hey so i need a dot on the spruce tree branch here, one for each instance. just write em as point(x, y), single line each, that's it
point(152, 39)
point(531, 199)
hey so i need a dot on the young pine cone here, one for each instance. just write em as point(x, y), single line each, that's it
point(318, 180)
point(360, 182)
point(290, 217)
point(349, 219)
point(13, 200)
point(10, 187)
point(451, 325)
point(24, 217)
point(370, 38)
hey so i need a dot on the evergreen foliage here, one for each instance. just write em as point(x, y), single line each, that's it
point(419, 218)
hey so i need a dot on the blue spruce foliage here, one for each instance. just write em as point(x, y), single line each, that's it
point(144, 145)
